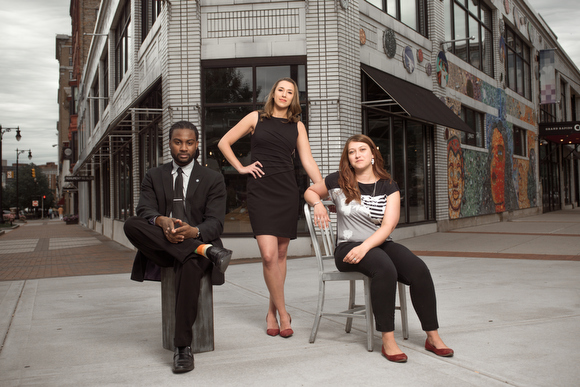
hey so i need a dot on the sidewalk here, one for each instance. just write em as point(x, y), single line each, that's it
point(508, 302)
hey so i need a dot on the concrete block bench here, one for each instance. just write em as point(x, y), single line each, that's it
point(203, 336)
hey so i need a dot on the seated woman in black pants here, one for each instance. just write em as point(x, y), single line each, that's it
point(368, 205)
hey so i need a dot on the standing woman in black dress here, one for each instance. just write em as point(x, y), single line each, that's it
point(273, 197)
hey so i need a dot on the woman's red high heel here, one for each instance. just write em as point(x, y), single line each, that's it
point(285, 333)
point(272, 331)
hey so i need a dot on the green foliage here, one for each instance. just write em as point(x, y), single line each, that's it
point(29, 189)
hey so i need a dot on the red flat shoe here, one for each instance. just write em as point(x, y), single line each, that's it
point(444, 352)
point(398, 358)
point(285, 333)
point(272, 331)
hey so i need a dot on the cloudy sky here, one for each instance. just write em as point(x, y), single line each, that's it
point(29, 70)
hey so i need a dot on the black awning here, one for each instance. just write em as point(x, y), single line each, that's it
point(418, 102)
point(561, 132)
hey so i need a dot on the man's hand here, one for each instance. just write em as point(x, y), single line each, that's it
point(175, 230)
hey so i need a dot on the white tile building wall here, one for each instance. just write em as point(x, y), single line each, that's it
point(188, 32)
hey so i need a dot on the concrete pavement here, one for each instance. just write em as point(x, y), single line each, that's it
point(508, 301)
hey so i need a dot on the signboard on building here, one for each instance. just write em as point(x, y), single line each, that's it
point(561, 132)
point(79, 178)
point(35, 203)
point(559, 128)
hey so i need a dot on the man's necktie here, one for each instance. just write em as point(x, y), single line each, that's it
point(178, 200)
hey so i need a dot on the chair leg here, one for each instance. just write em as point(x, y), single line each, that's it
point(351, 303)
point(403, 307)
point(369, 314)
point(321, 293)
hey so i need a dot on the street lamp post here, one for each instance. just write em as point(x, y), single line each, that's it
point(18, 137)
point(18, 152)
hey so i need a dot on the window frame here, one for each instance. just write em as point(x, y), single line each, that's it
point(150, 10)
point(421, 14)
point(122, 44)
point(95, 110)
point(563, 101)
point(123, 171)
point(479, 128)
point(523, 57)
point(548, 112)
point(521, 146)
point(105, 85)
point(483, 38)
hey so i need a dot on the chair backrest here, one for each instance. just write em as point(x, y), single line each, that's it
point(323, 241)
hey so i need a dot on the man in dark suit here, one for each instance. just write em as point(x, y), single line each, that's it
point(181, 229)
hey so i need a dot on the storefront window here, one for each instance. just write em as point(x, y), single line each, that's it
point(231, 91)
point(407, 148)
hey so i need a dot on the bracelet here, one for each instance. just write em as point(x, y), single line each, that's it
point(318, 202)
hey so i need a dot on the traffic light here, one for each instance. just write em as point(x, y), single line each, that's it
point(33, 173)
point(44, 196)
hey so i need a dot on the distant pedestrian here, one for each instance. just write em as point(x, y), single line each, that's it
point(60, 212)
point(50, 213)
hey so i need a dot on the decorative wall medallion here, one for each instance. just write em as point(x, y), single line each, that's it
point(517, 18)
point(343, 4)
point(502, 50)
point(506, 4)
point(442, 69)
point(362, 36)
point(408, 59)
point(389, 43)
point(419, 55)
point(428, 69)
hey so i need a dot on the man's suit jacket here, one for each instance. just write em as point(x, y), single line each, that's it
point(205, 203)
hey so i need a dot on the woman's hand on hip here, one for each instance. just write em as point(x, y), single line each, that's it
point(255, 169)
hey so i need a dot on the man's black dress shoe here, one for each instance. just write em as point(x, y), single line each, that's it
point(220, 257)
point(182, 360)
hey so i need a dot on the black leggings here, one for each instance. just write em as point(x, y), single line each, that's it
point(385, 265)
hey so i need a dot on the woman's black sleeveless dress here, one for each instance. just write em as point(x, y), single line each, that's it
point(273, 199)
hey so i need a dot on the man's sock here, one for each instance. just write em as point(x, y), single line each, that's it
point(202, 249)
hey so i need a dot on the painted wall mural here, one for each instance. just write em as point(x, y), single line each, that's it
point(490, 180)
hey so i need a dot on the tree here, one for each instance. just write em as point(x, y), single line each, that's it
point(29, 189)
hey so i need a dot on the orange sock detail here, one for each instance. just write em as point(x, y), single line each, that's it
point(201, 249)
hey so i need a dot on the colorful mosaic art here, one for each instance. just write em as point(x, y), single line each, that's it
point(490, 180)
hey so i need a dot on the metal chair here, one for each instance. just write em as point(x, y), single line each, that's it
point(324, 242)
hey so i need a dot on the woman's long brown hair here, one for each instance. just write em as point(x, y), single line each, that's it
point(294, 110)
point(346, 176)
